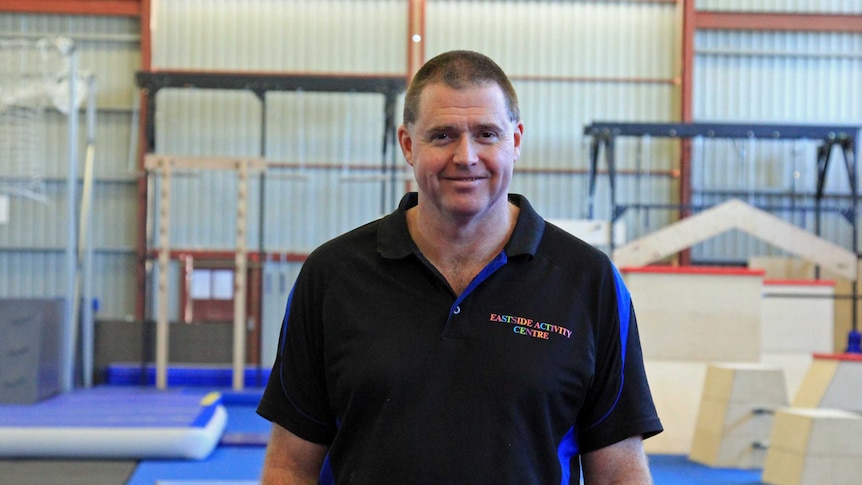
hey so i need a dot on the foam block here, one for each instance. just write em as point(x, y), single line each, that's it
point(832, 381)
point(729, 425)
point(797, 320)
point(797, 316)
point(676, 388)
point(697, 314)
point(794, 365)
point(814, 447)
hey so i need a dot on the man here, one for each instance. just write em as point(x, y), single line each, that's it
point(461, 339)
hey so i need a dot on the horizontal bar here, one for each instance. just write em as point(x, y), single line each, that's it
point(736, 52)
point(228, 256)
point(722, 130)
point(271, 81)
point(76, 37)
point(784, 22)
point(621, 207)
point(130, 251)
point(119, 8)
point(156, 162)
point(670, 81)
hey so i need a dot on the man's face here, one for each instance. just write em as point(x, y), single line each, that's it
point(462, 148)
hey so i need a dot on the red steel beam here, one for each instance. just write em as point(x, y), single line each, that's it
point(689, 27)
point(119, 8)
point(228, 256)
point(143, 119)
point(787, 22)
point(415, 37)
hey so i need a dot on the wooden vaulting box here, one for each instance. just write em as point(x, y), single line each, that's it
point(735, 417)
point(814, 446)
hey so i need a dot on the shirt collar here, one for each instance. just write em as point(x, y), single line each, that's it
point(394, 241)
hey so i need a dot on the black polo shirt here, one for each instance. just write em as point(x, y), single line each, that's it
point(537, 361)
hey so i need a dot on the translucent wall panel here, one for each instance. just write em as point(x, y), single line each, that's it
point(325, 156)
point(782, 78)
point(32, 273)
point(31, 244)
point(278, 278)
point(280, 35)
point(107, 47)
point(551, 38)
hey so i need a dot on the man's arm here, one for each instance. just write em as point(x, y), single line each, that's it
point(620, 463)
point(291, 460)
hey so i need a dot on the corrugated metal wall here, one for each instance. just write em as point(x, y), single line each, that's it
point(781, 78)
point(32, 261)
point(572, 62)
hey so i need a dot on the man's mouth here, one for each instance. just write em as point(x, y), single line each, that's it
point(465, 179)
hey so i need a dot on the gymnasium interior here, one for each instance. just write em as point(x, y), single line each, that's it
point(166, 166)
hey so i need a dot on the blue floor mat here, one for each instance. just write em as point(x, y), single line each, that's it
point(226, 463)
point(679, 470)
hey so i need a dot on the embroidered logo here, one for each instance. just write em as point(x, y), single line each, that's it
point(530, 327)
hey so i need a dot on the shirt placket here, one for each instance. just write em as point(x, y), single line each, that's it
point(455, 310)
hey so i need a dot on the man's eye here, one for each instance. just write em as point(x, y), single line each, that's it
point(488, 134)
point(440, 136)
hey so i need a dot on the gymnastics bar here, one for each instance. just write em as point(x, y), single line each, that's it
point(261, 82)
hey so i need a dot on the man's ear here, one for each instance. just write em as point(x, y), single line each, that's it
point(519, 133)
point(406, 143)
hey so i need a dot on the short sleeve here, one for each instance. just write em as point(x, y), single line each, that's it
point(296, 396)
point(619, 404)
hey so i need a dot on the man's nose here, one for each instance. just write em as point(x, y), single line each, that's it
point(465, 151)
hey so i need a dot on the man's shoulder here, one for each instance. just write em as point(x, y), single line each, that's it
point(578, 260)
point(360, 238)
point(561, 243)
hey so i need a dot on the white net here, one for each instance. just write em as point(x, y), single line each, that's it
point(34, 77)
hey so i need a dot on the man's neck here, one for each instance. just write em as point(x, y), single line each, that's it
point(459, 250)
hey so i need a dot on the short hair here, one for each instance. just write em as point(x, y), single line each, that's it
point(459, 69)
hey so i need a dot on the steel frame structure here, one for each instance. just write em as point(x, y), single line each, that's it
point(604, 134)
point(258, 83)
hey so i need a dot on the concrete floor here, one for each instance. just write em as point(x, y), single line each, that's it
point(65, 472)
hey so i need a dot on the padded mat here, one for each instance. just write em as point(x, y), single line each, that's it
point(115, 422)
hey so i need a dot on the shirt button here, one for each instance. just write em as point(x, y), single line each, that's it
point(457, 310)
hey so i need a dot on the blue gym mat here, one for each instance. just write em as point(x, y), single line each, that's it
point(184, 375)
point(114, 422)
